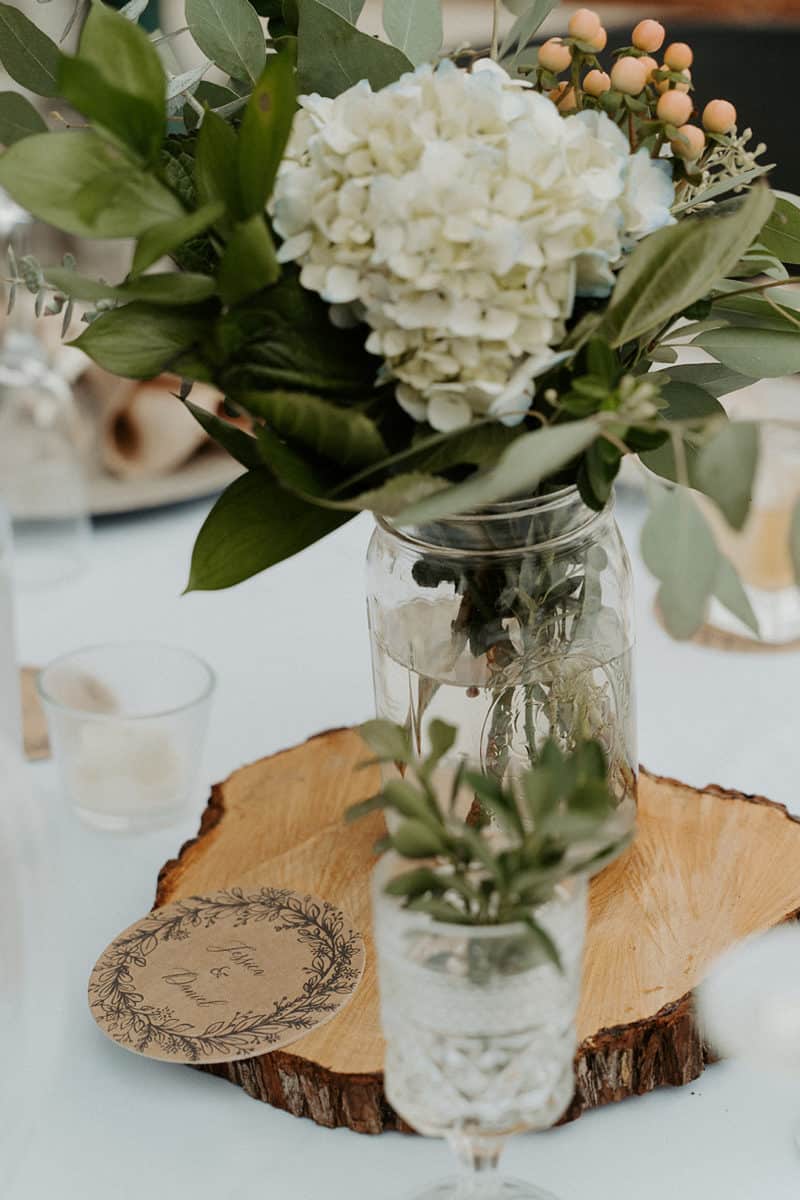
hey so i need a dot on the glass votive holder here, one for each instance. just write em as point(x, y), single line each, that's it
point(127, 724)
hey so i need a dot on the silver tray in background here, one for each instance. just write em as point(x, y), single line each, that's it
point(204, 476)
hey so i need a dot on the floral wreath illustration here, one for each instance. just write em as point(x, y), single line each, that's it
point(334, 971)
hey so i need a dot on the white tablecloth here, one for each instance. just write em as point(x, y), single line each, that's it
point(292, 656)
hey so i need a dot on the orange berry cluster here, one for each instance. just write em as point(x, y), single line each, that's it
point(634, 72)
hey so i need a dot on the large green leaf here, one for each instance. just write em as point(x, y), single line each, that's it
point(141, 340)
point(284, 338)
point(240, 445)
point(725, 469)
point(679, 549)
point(291, 467)
point(125, 119)
point(162, 239)
point(255, 524)
point(18, 118)
point(248, 264)
point(528, 461)
point(415, 27)
point(83, 185)
point(29, 56)
point(169, 288)
point(677, 266)
point(794, 541)
point(333, 55)
point(340, 435)
point(230, 33)
point(684, 402)
point(216, 167)
point(762, 353)
point(781, 234)
point(117, 81)
point(714, 378)
point(264, 132)
point(729, 591)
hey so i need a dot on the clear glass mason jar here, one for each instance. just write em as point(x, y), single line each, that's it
point(513, 623)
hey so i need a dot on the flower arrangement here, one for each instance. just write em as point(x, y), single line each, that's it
point(430, 282)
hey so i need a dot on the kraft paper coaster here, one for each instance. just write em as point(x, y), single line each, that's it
point(227, 976)
point(34, 724)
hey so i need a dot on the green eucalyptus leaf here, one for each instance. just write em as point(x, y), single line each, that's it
point(230, 34)
point(762, 353)
point(29, 55)
point(84, 185)
point(409, 802)
point(714, 378)
point(342, 435)
point(248, 264)
point(118, 82)
point(167, 289)
point(240, 445)
point(264, 132)
point(363, 809)
point(525, 27)
point(18, 118)
point(417, 839)
point(781, 234)
point(679, 265)
point(541, 937)
point(684, 401)
point(254, 524)
point(417, 883)
point(729, 591)
point(349, 9)
point(794, 541)
point(530, 459)
point(479, 445)
point(780, 311)
point(390, 742)
point(141, 340)
point(415, 27)
point(333, 55)
point(439, 910)
point(392, 497)
point(725, 469)
point(163, 238)
point(679, 549)
point(441, 738)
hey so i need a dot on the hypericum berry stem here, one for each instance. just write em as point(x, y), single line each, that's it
point(495, 30)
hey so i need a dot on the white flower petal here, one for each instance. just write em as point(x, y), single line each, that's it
point(447, 413)
point(460, 212)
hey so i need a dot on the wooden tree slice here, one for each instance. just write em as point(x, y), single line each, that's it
point(706, 869)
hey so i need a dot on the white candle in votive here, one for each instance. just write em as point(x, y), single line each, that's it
point(127, 766)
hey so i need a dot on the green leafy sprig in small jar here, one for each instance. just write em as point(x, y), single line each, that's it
point(519, 840)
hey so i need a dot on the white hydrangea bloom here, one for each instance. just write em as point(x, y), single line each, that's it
point(458, 214)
